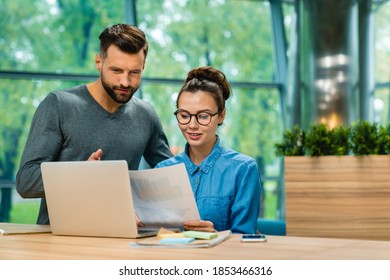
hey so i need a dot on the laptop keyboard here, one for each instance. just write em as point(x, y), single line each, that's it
point(147, 230)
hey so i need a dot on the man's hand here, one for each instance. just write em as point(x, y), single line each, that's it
point(96, 155)
point(199, 226)
point(138, 221)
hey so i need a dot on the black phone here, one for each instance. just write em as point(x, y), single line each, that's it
point(256, 237)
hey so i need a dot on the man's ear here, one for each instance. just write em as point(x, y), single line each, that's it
point(98, 62)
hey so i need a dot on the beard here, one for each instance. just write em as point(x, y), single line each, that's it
point(117, 97)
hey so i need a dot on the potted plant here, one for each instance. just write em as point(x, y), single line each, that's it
point(337, 182)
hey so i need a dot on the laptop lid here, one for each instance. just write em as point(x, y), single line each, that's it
point(90, 198)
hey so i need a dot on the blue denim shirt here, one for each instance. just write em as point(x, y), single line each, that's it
point(226, 186)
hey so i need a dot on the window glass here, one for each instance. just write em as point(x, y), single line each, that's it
point(234, 36)
point(61, 37)
point(381, 105)
point(54, 36)
point(382, 60)
point(382, 43)
point(290, 22)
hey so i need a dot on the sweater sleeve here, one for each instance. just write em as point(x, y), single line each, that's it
point(44, 143)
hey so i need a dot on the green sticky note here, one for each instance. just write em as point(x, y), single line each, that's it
point(200, 234)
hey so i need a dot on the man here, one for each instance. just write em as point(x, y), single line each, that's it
point(100, 120)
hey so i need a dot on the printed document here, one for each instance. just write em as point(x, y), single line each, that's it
point(198, 243)
point(163, 196)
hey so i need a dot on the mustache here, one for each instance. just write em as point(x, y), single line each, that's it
point(123, 88)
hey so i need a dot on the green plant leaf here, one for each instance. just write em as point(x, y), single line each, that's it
point(293, 143)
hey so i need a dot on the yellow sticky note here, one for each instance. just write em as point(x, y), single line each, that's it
point(165, 233)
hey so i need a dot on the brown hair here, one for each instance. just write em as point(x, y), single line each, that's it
point(208, 79)
point(127, 38)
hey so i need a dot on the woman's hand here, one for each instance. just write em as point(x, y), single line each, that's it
point(199, 226)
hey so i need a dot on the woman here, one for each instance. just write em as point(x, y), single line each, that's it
point(225, 183)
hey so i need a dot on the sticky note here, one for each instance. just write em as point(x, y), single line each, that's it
point(169, 235)
point(180, 240)
point(165, 233)
point(200, 234)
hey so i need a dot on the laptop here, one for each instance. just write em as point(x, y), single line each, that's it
point(91, 198)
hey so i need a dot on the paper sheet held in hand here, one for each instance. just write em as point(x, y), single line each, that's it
point(163, 196)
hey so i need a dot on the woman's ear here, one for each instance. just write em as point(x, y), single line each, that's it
point(221, 117)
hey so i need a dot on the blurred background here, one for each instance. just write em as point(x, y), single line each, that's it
point(289, 62)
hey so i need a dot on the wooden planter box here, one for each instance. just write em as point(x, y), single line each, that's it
point(338, 196)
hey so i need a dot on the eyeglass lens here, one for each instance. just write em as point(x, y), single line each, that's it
point(203, 118)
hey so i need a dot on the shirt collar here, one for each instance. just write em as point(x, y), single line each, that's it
point(208, 162)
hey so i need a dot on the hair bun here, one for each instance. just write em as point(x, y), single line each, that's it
point(206, 73)
point(209, 74)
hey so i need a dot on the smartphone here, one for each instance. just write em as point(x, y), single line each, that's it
point(256, 237)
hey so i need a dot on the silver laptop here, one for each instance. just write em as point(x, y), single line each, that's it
point(91, 198)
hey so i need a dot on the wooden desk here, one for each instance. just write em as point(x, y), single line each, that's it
point(48, 246)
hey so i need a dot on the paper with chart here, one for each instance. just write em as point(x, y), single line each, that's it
point(163, 196)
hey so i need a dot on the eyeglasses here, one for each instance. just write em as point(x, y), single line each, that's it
point(203, 118)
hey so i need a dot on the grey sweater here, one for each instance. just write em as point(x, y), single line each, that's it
point(70, 125)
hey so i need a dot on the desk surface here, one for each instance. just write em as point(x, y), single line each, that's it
point(48, 246)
